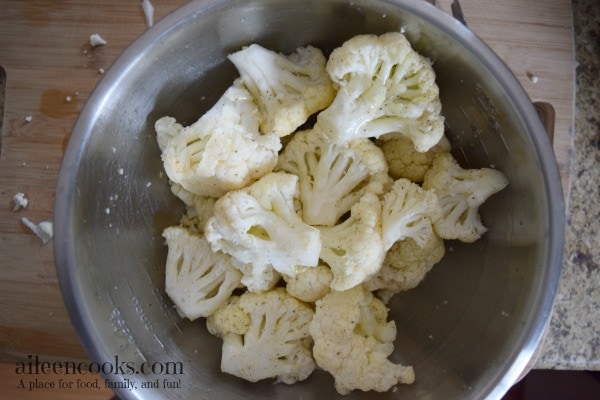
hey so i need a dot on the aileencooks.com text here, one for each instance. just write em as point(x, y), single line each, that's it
point(35, 366)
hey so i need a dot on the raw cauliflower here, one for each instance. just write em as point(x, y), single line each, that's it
point(353, 340)
point(196, 216)
point(199, 208)
point(384, 86)
point(406, 264)
point(288, 89)
point(197, 280)
point(404, 161)
point(316, 238)
point(259, 226)
point(332, 177)
point(461, 192)
point(408, 212)
point(265, 335)
point(222, 151)
point(311, 284)
point(354, 249)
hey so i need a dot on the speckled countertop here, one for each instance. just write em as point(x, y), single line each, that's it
point(573, 338)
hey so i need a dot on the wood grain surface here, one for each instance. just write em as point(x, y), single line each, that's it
point(50, 70)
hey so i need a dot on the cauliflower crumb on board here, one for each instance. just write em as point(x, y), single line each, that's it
point(148, 9)
point(44, 230)
point(97, 40)
point(314, 227)
point(20, 201)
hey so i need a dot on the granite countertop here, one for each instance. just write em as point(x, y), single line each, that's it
point(573, 338)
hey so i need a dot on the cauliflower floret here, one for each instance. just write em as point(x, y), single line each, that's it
point(221, 151)
point(259, 226)
point(354, 249)
point(404, 161)
point(352, 341)
point(186, 196)
point(384, 86)
point(461, 192)
point(197, 280)
point(288, 89)
point(405, 266)
point(198, 213)
point(408, 212)
point(229, 318)
point(199, 208)
point(332, 177)
point(257, 277)
point(311, 284)
point(265, 335)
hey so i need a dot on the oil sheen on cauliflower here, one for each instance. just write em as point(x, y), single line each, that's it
point(461, 192)
point(265, 335)
point(221, 151)
point(259, 226)
point(353, 340)
point(197, 280)
point(384, 87)
point(288, 89)
point(332, 177)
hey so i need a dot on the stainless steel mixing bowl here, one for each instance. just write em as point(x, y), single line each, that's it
point(469, 329)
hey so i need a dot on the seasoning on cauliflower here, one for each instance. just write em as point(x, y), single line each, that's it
point(404, 161)
point(353, 340)
point(259, 225)
point(384, 86)
point(332, 177)
point(288, 89)
point(408, 212)
point(197, 280)
point(461, 192)
point(315, 240)
point(354, 248)
point(311, 284)
point(406, 264)
point(221, 151)
point(265, 335)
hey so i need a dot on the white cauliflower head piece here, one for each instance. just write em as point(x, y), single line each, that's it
point(461, 192)
point(408, 212)
point(354, 248)
point(332, 177)
point(406, 264)
point(403, 159)
point(311, 284)
point(196, 279)
point(221, 151)
point(288, 89)
point(259, 226)
point(384, 86)
point(265, 335)
point(353, 340)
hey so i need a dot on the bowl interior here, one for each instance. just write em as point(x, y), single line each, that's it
point(469, 329)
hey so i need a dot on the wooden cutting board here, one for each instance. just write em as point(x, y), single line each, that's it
point(50, 72)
